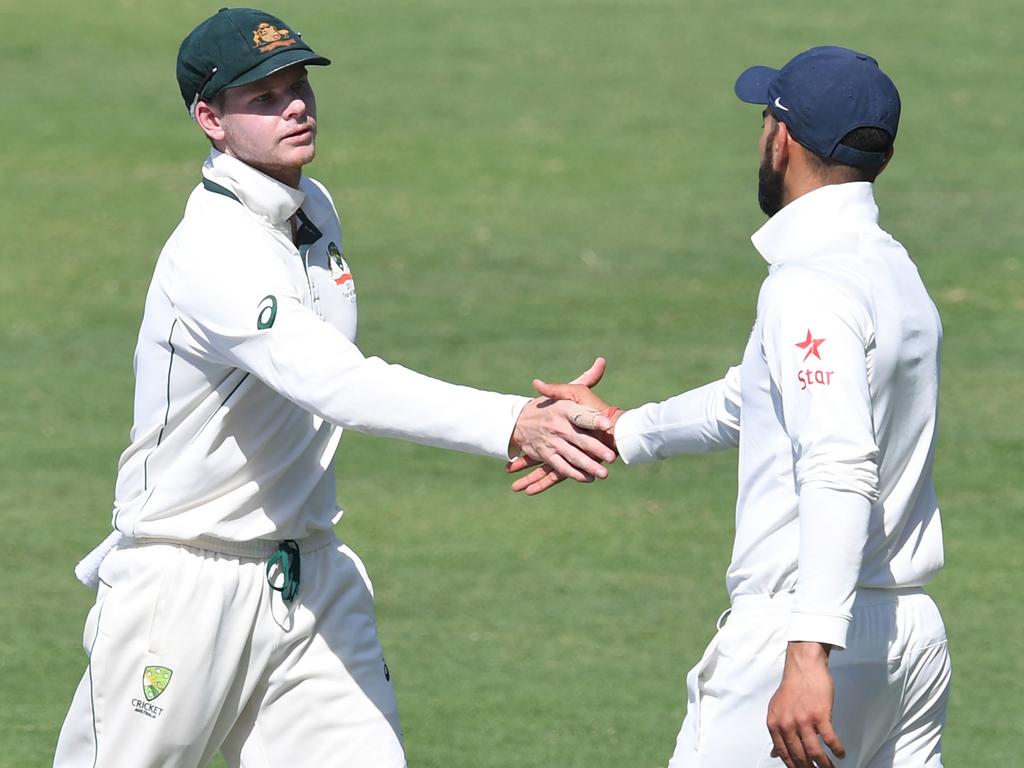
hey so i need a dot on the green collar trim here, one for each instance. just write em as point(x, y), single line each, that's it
point(212, 186)
point(306, 233)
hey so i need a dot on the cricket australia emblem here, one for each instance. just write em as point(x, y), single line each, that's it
point(340, 272)
point(154, 682)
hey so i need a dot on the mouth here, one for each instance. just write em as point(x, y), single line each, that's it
point(300, 135)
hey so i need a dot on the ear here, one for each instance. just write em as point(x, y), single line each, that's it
point(781, 147)
point(211, 122)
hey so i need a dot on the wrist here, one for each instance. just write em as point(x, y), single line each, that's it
point(808, 650)
point(612, 414)
point(518, 436)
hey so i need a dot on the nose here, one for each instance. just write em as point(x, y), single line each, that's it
point(296, 109)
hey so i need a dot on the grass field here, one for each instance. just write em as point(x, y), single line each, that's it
point(523, 185)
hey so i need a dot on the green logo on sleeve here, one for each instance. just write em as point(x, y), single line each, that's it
point(155, 681)
point(268, 313)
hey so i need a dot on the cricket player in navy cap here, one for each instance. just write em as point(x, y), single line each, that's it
point(229, 617)
point(830, 648)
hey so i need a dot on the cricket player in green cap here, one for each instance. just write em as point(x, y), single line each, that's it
point(229, 617)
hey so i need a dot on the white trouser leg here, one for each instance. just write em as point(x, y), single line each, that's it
point(190, 650)
point(76, 746)
point(891, 685)
point(328, 699)
point(728, 693)
point(171, 629)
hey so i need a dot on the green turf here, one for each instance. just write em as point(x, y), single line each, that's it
point(523, 185)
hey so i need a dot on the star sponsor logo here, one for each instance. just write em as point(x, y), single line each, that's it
point(806, 376)
point(810, 344)
point(809, 378)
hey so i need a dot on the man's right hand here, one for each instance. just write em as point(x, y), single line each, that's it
point(564, 435)
point(545, 476)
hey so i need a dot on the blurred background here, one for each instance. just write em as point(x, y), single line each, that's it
point(523, 185)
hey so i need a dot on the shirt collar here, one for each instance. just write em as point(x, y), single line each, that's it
point(814, 220)
point(266, 197)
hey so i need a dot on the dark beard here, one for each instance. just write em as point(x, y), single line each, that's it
point(769, 185)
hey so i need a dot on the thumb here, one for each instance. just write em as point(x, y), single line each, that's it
point(555, 391)
point(593, 374)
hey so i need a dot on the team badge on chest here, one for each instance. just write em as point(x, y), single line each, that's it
point(340, 272)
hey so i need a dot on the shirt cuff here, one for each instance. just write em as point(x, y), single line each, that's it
point(518, 403)
point(818, 628)
point(627, 439)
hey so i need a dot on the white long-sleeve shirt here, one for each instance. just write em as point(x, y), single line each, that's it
point(834, 409)
point(247, 369)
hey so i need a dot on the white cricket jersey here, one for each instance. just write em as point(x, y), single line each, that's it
point(247, 369)
point(834, 410)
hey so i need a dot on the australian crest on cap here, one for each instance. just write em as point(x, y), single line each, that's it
point(267, 37)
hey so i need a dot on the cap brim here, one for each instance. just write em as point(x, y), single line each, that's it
point(277, 62)
point(752, 85)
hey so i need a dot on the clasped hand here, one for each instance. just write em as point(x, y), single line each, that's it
point(577, 434)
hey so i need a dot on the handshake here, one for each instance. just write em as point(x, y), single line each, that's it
point(567, 432)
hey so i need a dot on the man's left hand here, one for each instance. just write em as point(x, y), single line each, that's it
point(800, 712)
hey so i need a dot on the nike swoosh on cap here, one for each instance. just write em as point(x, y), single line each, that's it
point(778, 104)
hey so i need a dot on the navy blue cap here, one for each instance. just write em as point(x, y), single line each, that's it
point(823, 94)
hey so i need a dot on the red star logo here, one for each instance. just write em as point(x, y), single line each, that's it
point(811, 344)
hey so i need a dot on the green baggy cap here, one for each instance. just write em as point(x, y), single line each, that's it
point(234, 47)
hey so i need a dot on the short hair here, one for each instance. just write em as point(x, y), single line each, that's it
point(217, 102)
point(866, 139)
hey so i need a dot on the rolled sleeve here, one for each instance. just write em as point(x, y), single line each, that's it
point(833, 529)
point(816, 344)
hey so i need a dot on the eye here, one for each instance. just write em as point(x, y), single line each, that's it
point(263, 98)
point(300, 85)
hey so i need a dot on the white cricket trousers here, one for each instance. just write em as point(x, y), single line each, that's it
point(191, 652)
point(891, 685)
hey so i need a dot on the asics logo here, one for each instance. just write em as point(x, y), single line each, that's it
point(778, 104)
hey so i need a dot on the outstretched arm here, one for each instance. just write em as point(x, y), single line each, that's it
point(700, 420)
